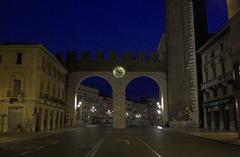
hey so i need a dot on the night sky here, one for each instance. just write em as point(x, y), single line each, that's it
point(93, 25)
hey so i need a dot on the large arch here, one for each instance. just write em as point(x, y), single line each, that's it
point(119, 92)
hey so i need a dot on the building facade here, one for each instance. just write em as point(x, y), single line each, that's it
point(90, 105)
point(235, 45)
point(217, 71)
point(32, 88)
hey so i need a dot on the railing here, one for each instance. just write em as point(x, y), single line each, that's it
point(227, 78)
point(14, 96)
point(45, 98)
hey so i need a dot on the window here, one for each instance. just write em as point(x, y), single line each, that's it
point(58, 93)
point(19, 58)
point(221, 47)
point(206, 75)
point(43, 63)
point(213, 54)
point(214, 72)
point(215, 92)
point(0, 58)
point(224, 90)
point(41, 89)
point(16, 87)
point(223, 68)
point(206, 59)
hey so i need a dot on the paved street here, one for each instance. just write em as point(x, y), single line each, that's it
point(131, 142)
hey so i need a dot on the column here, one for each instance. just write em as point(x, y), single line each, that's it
point(119, 106)
point(221, 118)
point(58, 119)
point(42, 119)
point(48, 119)
point(62, 117)
point(212, 119)
point(205, 117)
point(232, 117)
point(54, 116)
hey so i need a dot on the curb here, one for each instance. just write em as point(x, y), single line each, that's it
point(205, 138)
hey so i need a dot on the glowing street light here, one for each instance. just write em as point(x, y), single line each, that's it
point(79, 104)
point(93, 109)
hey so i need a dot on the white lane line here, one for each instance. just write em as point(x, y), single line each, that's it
point(95, 148)
point(23, 153)
point(53, 142)
point(38, 148)
point(158, 155)
point(123, 141)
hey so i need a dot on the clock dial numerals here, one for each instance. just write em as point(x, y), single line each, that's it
point(119, 72)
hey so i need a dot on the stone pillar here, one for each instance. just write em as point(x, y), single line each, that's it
point(232, 117)
point(221, 118)
point(205, 117)
point(119, 106)
point(212, 119)
point(42, 118)
point(54, 116)
point(58, 119)
point(62, 117)
point(48, 119)
point(238, 114)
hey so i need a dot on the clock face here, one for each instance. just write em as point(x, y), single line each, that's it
point(119, 72)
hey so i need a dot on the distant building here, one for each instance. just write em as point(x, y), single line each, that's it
point(32, 88)
point(90, 105)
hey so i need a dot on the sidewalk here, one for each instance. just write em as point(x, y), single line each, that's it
point(7, 137)
point(222, 137)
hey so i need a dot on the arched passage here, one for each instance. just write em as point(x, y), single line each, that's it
point(93, 104)
point(118, 97)
point(143, 102)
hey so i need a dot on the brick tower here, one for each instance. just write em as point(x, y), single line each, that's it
point(186, 29)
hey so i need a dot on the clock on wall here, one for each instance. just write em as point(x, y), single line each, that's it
point(119, 72)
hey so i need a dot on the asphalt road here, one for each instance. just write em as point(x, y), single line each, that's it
point(131, 142)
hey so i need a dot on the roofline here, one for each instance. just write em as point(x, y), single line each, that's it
point(200, 50)
point(42, 47)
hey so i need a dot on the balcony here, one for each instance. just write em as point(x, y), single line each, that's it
point(50, 100)
point(225, 79)
point(15, 96)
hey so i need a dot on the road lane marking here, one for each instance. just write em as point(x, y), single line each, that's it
point(123, 141)
point(38, 148)
point(158, 155)
point(27, 152)
point(95, 148)
point(53, 142)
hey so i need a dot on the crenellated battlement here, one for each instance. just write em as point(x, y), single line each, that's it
point(102, 61)
point(113, 56)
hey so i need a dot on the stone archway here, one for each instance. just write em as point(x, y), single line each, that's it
point(119, 88)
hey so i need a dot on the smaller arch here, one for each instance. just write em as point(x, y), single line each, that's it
point(144, 79)
point(93, 75)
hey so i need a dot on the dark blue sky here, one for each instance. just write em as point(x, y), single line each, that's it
point(93, 25)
